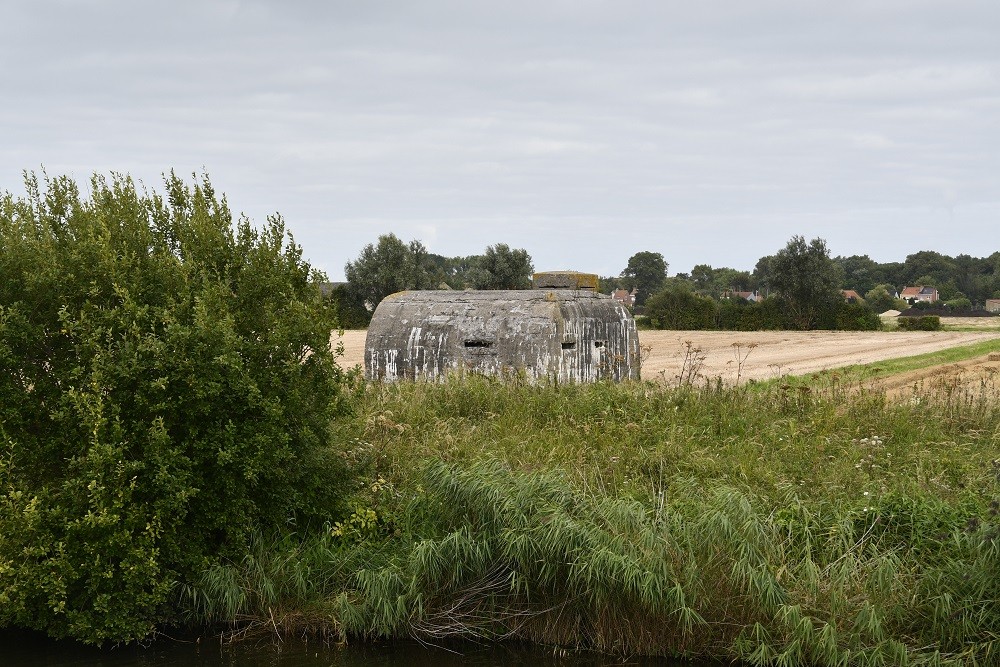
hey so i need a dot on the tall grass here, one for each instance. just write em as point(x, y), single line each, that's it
point(776, 526)
point(826, 440)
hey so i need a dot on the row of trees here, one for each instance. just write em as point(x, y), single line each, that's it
point(956, 278)
point(390, 265)
point(681, 309)
point(962, 276)
point(803, 274)
point(805, 283)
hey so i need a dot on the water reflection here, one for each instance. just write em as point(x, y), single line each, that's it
point(18, 649)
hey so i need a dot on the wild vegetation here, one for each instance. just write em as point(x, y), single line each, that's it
point(921, 323)
point(813, 524)
point(180, 446)
point(166, 389)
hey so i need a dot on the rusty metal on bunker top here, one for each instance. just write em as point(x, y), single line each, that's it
point(563, 330)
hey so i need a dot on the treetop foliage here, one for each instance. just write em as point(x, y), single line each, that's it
point(805, 279)
point(391, 266)
point(166, 388)
point(387, 267)
point(975, 278)
point(647, 273)
point(503, 268)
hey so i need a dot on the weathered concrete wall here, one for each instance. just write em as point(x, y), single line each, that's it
point(565, 335)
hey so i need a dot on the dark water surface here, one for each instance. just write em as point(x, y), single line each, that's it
point(18, 649)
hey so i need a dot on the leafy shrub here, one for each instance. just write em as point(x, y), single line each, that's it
point(681, 309)
point(855, 317)
point(741, 315)
point(166, 388)
point(922, 323)
point(959, 304)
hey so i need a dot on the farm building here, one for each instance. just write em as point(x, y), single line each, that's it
point(567, 335)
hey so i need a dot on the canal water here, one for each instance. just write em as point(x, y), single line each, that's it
point(18, 649)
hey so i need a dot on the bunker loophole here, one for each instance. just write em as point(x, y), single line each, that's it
point(564, 331)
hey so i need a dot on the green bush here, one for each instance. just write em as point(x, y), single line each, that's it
point(921, 323)
point(741, 315)
point(960, 303)
point(681, 309)
point(166, 388)
point(855, 317)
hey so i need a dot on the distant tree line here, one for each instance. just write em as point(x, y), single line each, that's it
point(959, 277)
point(804, 283)
point(962, 281)
point(798, 287)
point(801, 287)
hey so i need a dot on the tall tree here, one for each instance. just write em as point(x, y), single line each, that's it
point(703, 278)
point(762, 273)
point(861, 272)
point(880, 298)
point(647, 272)
point(456, 272)
point(387, 267)
point(806, 279)
point(503, 268)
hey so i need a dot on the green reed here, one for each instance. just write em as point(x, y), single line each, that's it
point(776, 525)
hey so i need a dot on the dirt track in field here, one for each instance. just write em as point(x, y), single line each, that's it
point(762, 355)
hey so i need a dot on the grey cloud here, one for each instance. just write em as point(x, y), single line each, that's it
point(583, 131)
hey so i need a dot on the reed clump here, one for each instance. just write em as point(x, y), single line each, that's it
point(771, 525)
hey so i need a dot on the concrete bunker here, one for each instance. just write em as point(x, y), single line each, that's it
point(568, 335)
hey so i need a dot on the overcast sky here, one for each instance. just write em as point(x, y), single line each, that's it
point(582, 131)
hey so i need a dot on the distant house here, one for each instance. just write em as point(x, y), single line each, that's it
point(752, 297)
point(850, 296)
point(920, 293)
point(993, 305)
point(625, 297)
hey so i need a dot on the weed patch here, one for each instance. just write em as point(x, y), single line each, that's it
point(764, 524)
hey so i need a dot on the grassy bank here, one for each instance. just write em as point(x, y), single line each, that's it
point(778, 525)
point(862, 374)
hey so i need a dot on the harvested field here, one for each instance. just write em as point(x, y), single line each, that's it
point(972, 376)
point(951, 323)
point(765, 354)
point(971, 322)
